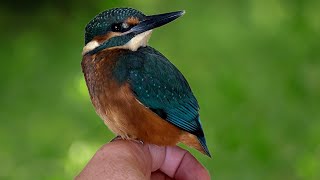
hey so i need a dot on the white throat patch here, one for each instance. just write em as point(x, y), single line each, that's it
point(90, 46)
point(140, 40)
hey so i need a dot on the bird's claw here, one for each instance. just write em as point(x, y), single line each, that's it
point(138, 141)
point(127, 138)
point(116, 138)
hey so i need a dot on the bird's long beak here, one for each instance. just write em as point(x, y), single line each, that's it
point(155, 21)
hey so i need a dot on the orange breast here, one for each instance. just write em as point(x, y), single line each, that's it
point(130, 119)
point(122, 112)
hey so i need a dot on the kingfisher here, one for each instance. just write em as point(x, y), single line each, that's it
point(137, 92)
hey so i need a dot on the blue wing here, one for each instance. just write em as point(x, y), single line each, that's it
point(161, 87)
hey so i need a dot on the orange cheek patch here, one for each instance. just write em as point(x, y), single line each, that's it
point(132, 21)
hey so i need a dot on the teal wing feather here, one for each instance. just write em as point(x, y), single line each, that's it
point(161, 87)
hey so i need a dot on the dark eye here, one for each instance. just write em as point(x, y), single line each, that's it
point(120, 27)
point(116, 27)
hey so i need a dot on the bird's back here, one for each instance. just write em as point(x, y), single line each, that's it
point(144, 93)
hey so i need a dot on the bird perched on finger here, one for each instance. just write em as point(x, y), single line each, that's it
point(137, 92)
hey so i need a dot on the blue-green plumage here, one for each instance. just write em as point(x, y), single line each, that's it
point(116, 57)
point(160, 86)
point(102, 23)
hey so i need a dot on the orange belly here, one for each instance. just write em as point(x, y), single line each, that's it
point(123, 113)
point(130, 119)
point(127, 117)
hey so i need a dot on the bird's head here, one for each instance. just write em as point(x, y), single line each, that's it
point(125, 28)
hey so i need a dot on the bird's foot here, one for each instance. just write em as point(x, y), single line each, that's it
point(127, 138)
point(116, 138)
point(137, 141)
point(134, 139)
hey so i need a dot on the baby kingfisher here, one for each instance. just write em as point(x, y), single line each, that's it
point(138, 93)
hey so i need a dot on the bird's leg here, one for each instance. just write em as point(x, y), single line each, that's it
point(116, 138)
point(127, 137)
point(137, 141)
point(134, 139)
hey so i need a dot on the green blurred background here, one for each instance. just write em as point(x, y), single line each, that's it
point(254, 66)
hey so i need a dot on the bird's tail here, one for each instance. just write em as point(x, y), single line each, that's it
point(203, 144)
point(193, 141)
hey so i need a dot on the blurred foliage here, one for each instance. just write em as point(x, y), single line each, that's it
point(254, 66)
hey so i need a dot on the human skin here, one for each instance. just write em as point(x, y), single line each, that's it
point(126, 160)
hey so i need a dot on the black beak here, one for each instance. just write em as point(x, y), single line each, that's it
point(155, 21)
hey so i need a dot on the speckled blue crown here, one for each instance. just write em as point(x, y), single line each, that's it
point(101, 24)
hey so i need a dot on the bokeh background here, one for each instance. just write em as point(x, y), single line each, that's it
point(254, 66)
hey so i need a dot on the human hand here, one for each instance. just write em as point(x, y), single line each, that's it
point(124, 160)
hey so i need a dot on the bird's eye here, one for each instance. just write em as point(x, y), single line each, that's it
point(120, 27)
point(116, 27)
